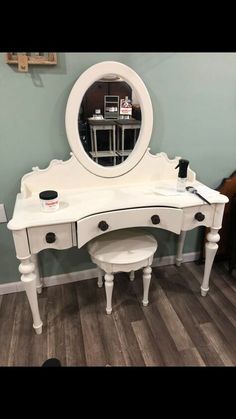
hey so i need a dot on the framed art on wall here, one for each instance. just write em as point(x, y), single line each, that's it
point(24, 59)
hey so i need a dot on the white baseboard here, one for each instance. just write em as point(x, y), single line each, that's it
point(170, 260)
point(50, 281)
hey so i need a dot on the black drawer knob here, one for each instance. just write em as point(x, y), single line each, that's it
point(103, 225)
point(199, 216)
point(155, 219)
point(50, 237)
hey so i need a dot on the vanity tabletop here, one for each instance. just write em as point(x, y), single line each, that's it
point(77, 204)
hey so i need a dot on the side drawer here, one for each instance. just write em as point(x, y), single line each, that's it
point(191, 214)
point(58, 236)
point(164, 217)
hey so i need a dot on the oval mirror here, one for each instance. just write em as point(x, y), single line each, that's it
point(109, 119)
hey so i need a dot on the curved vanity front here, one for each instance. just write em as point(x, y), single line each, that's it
point(98, 224)
point(82, 217)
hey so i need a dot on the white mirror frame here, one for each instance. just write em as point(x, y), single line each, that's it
point(77, 93)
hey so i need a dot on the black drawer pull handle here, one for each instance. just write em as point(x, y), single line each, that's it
point(103, 225)
point(50, 237)
point(199, 216)
point(155, 219)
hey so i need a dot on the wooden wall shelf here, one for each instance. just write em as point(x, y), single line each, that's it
point(24, 59)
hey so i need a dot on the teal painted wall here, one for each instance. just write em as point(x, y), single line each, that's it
point(194, 103)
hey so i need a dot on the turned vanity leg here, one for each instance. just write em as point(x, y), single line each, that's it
point(131, 276)
point(211, 248)
point(28, 277)
point(109, 278)
point(100, 280)
point(39, 284)
point(180, 246)
point(147, 273)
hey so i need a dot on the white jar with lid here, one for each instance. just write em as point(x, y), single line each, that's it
point(49, 201)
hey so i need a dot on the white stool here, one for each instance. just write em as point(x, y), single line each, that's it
point(123, 251)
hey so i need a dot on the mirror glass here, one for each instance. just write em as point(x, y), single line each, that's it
point(109, 120)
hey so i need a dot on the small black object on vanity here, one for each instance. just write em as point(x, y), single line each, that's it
point(195, 192)
point(182, 174)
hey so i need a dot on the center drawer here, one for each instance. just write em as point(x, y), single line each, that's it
point(160, 217)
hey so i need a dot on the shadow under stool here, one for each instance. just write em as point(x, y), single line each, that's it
point(123, 251)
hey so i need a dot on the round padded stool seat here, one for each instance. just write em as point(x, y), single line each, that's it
point(123, 251)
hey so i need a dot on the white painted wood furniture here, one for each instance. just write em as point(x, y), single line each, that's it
point(123, 251)
point(94, 199)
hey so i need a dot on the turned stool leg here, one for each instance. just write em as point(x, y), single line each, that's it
point(131, 276)
point(100, 275)
point(147, 271)
point(109, 278)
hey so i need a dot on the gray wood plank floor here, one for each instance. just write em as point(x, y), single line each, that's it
point(178, 328)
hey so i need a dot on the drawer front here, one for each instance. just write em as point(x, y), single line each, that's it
point(58, 236)
point(159, 217)
point(201, 215)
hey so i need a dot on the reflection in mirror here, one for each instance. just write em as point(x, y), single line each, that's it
point(109, 120)
point(140, 96)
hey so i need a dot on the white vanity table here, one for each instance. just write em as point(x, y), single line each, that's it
point(140, 192)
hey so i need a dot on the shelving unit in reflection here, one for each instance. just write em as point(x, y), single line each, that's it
point(111, 107)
